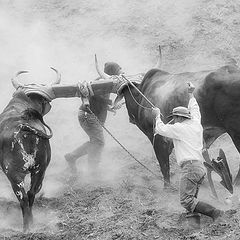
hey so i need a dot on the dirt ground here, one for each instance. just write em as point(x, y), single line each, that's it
point(122, 200)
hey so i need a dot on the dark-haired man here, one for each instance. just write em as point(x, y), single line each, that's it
point(91, 122)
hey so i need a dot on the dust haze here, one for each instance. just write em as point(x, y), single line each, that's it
point(37, 35)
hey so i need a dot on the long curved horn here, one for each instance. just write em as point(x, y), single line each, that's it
point(101, 74)
point(159, 62)
point(15, 81)
point(58, 80)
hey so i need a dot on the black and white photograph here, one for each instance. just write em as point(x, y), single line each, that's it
point(119, 120)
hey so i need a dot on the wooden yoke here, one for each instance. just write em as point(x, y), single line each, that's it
point(103, 86)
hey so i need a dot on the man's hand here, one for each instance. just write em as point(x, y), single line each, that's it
point(156, 112)
point(118, 105)
point(112, 109)
point(115, 107)
point(191, 87)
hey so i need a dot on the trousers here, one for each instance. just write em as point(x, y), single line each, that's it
point(191, 177)
point(93, 148)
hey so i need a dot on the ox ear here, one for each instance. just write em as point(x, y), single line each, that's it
point(15, 81)
point(58, 79)
point(101, 73)
point(159, 61)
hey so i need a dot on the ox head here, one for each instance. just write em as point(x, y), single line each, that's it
point(104, 75)
point(119, 82)
point(45, 91)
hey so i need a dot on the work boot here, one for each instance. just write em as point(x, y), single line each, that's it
point(209, 210)
point(71, 163)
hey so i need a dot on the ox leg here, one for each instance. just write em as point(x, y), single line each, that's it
point(162, 152)
point(18, 188)
point(36, 185)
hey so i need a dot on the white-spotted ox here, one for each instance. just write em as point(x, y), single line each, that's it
point(218, 95)
point(24, 141)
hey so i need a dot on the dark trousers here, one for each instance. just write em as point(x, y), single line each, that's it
point(93, 148)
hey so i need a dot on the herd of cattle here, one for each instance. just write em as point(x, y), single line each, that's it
point(24, 137)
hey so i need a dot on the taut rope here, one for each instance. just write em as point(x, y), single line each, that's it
point(158, 177)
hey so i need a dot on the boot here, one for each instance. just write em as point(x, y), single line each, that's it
point(80, 151)
point(209, 210)
point(71, 163)
point(73, 156)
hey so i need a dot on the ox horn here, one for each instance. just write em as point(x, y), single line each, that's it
point(159, 62)
point(15, 81)
point(101, 73)
point(58, 80)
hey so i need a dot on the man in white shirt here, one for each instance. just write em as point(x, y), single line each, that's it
point(187, 136)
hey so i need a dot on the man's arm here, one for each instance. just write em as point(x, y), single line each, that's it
point(116, 104)
point(166, 130)
point(193, 105)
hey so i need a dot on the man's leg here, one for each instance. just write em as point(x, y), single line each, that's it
point(208, 210)
point(94, 157)
point(96, 146)
point(191, 178)
point(74, 155)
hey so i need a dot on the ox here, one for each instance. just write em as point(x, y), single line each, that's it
point(217, 92)
point(24, 139)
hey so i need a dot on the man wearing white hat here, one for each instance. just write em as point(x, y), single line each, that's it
point(187, 135)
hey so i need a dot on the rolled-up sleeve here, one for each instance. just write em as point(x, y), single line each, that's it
point(194, 109)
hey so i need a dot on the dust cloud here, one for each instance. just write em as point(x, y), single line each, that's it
point(36, 35)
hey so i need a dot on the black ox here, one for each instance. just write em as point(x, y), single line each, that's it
point(217, 92)
point(24, 139)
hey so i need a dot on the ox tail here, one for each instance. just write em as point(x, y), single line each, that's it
point(32, 114)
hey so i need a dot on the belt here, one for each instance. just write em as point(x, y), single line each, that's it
point(187, 162)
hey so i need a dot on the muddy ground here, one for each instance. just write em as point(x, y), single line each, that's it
point(123, 200)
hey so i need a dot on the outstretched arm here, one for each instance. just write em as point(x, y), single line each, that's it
point(166, 130)
point(193, 105)
point(117, 104)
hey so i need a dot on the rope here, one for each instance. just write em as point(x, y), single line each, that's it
point(134, 99)
point(158, 177)
point(139, 92)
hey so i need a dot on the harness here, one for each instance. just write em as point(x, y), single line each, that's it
point(31, 114)
point(35, 131)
